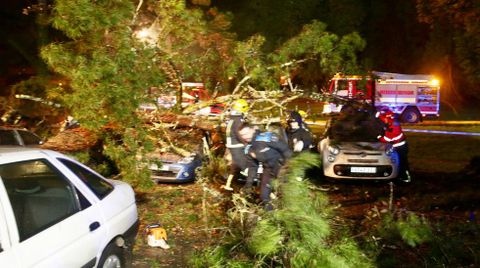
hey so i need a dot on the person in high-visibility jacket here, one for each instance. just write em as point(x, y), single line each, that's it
point(235, 144)
point(393, 134)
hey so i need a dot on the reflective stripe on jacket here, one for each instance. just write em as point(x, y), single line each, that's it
point(233, 126)
point(394, 135)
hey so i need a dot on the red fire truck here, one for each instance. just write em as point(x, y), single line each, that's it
point(412, 97)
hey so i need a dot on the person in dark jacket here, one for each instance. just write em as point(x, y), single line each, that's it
point(299, 136)
point(271, 152)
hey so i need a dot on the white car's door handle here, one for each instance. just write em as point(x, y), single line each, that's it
point(94, 225)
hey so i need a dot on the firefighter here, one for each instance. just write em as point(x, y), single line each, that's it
point(271, 152)
point(235, 144)
point(393, 134)
point(299, 136)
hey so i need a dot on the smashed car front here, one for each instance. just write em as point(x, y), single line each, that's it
point(358, 160)
point(175, 169)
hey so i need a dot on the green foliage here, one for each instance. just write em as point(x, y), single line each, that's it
point(313, 48)
point(217, 258)
point(266, 238)
point(194, 44)
point(103, 62)
point(125, 155)
point(213, 169)
point(251, 61)
point(34, 86)
point(80, 17)
point(412, 229)
point(327, 52)
point(297, 233)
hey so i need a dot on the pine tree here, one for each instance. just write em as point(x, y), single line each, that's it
point(298, 233)
point(109, 72)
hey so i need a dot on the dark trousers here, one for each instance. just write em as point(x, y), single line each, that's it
point(269, 173)
point(239, 160)
point(403, 157)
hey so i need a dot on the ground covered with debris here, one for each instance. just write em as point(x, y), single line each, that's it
point(445, 196)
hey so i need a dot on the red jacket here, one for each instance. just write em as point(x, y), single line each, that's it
point(393, 134)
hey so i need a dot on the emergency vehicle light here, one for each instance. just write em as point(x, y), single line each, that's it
point(435, 82)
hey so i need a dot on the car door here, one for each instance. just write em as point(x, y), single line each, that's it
point(58, 225)
point(7, 255)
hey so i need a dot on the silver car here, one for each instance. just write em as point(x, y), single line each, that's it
point(358, 154)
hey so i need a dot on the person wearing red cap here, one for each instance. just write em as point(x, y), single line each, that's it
point(393, 134)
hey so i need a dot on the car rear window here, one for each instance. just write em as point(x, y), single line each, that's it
point(7, 137)
point(97, 184)
point(29, 138)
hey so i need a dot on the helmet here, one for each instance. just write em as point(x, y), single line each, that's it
point(302, 113)
point(240, 106)
point(386, 115)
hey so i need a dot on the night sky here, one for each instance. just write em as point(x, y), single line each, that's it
point(396, 40)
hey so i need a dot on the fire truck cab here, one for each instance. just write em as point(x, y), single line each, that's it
point(412, 97)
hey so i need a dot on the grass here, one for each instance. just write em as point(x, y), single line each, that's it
point(437, 152)
point(179, 209)
point(441, 153)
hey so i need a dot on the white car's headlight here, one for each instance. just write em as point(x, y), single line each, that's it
point(333, 149)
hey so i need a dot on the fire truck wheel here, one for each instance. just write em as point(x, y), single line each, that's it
point(410, 116)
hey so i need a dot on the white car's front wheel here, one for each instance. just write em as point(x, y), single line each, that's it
point(112, 257)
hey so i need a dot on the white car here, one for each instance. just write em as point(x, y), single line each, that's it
point(56, 212)
point(351, 150)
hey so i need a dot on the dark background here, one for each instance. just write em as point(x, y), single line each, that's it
point(396, 39)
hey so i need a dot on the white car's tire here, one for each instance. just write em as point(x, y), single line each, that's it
point(112, 257)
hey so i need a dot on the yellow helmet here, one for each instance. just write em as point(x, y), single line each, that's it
point(302, 113)
point(240, 106)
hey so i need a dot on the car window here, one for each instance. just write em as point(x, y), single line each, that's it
point(40, 195)
point(7, 137)
point(29, 138)
point(97, 184)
